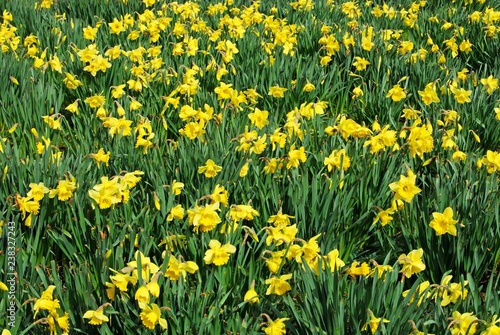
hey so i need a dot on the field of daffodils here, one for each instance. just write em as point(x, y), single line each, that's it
point(302, 167)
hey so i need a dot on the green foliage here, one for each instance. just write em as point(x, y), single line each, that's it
point(77, 244)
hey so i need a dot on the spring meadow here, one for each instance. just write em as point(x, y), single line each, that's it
point(249, 167)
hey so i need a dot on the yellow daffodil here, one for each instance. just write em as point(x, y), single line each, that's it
point(451, 292)
point(338, 159)
point(218, 254)
point(333, 260)
point(405, 188)
point(46, 301)
point(491, 160)
point(107, 193)
point(420, 140)
point(210, 169)
point(280, 218)
point(412, 263)
point(490, 84)
point(462, 95)
point(275, 327)
point(463, 323)
point(251, 296)
point(95, 101)
point(96, 317)
point(295, 157)
point(278, 285)
point(101, 157)
point(277, 92)
point(357, 92)
point(281, 234)
point(90, 33)
point(118, 91)
point(242, 212)
point(71, 82)
point(148, 268)
point(384, 216)
point(116, 27)
point(419, 292)
point(275, 261)
point(309, 87)
point(396, 93)
point(443, 222)
point(121, 280)
point(360, 63)
point(177, 269)
point(244, 170)
point(151, 315)
point(142, 296)
point(429, 94)
point(64, 189)
point(204, 218)
point(37, 191)
point(384, 138)
point(177, 212)
point(176, 187)
point(73, 107)
point(358, 269)
point(492, 328)
point(373, 323)
point(259, 118)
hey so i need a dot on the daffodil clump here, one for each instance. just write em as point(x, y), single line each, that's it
point(249, 167)
point(55, 320)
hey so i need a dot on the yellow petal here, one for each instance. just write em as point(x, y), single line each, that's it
point(13, 128)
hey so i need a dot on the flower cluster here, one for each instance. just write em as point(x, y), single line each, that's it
point(141, 270)
point(55, 322)
point(30, 204)
point(260, 110)
point(115, 190)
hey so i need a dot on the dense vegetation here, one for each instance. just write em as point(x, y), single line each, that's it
point(305, 167)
